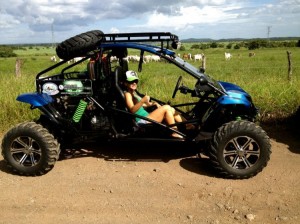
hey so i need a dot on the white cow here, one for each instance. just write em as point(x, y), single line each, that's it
point(198, 57)
point(77, 59)
point(125, 59)
point(113, 59)
point(147, 58)
point(133, 58)
point(60, 60)
point(53, 58)
point(227, 56)
point(155, 58)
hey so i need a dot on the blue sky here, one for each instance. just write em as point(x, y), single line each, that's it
point(32, 21)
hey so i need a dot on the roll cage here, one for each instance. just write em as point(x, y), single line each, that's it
point(138, 41)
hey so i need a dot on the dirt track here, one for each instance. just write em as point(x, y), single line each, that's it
point(121, 184)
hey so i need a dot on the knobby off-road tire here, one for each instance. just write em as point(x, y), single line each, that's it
point(29, 149)
point(79, 45)
point(240, 149)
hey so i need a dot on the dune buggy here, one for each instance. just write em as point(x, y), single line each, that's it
point(80, 105)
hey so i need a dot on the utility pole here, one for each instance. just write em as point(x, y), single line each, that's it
point(52, 31)
point(268, 33)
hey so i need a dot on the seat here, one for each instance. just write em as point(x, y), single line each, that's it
point(118, 89)
point(93, 67)
point(123, 122)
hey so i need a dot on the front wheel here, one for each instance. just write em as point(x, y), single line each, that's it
point(240, 149)
point(29, 149)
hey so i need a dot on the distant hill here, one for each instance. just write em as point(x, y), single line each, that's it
point(197, 40)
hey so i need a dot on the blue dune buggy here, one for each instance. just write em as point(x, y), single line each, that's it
point(89, 104)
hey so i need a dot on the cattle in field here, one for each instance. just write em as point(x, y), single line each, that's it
point(125, 59)
point(53, 58)
point(251, 54)
point(147, 58)
point(198, 57)
point(74, 60)
point(60, 60)
point(133, 58)
point(113, 59)
point(187, 56)
point(227, 56)
point(155, 58)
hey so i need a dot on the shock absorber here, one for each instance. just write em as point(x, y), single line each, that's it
point(79, 111)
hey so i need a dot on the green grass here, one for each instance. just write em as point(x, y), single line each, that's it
point(263, 76)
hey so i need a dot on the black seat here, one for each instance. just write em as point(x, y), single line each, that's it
point(118, 88)
point(123, 122)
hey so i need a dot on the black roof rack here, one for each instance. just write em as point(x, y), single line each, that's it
point(141, 37)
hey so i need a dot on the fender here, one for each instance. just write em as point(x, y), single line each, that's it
point(235, 95)
point(235, 98)
point(35, 99)
point(236, 104)
point(42, 101)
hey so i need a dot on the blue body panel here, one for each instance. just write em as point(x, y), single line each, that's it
point(35, 99)
point(235, 95)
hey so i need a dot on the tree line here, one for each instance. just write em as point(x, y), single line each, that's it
point(8, 50)
point(251, 45)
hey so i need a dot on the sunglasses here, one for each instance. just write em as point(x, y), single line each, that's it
point(134, 81)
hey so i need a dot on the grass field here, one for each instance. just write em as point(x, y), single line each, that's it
point(264, 76)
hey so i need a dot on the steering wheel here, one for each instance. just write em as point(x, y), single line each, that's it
point(177, 86)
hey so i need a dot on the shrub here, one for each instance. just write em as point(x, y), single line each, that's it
point(229, 46)
point(6, 51)
point(182, 48)
point(195, 46)
point(253, 45)
point(237, 46)
point(213, 45)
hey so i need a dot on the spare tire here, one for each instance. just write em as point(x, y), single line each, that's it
point(79, 45)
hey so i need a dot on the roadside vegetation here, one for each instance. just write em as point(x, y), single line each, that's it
point(264, 76)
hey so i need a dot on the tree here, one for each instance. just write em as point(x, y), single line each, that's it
point(237, 46)
point(6, 51)
point(195, 46)
point(229, 46)
point(182, 48)
point(213, 45)
point(204, 46)
point(253, 45)
point(298, 43)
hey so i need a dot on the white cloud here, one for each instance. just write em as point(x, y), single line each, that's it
point(185, 17)
point(114, 30)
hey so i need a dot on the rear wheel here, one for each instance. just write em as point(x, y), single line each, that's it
point(240, 149)
point(79, 45)
point(29, 149)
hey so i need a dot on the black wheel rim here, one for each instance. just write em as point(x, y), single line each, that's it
point(26, 151)
point(241, 152)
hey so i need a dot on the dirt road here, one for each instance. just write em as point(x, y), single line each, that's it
point(123, 184)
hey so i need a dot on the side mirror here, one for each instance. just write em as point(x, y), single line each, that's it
point(175, 45)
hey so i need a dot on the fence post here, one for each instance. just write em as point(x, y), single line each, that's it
point(18, 67)
point(289, 56)
point(203, 68)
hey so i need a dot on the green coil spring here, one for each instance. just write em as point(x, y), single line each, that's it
point(79, 111)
